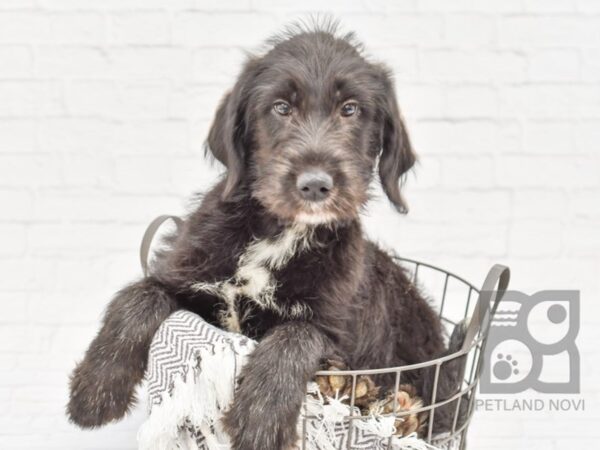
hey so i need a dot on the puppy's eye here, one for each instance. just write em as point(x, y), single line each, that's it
point(349, 109)
point(282, 108)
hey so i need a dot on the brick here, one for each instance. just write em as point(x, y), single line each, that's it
point(472, 102)
point(388, 7)
point(51, 361)
point(87, 240)
point(29, 339)
point(97, 205)
point(29, 170)
point(216, 65)
point(17, 205)
point(110, 5)
point(149, 63)
point(19, 136)
point(15, 307)
point(78, 28)
point(144, 100)
point(582, 240)
point(198, 130)
point(141, 100)
point(71, 62)
point(484, 206)
point(421, 101)
point(543, 171)
point(144, 28)
point(548, 137)
point(548, 31)
point(38, 394)
point(153, 137)
point(587, 6)
point(587, 101)
point(549, 6)
point(476, 172)
point(294, 6)
point(16, 4)
point(92, 98)
point(87, 170)
point(197, 101)
point(35, 27)
point(440, 6)
point(81, 137)
point(383, 31)
point(194, 174)
point(195, 28)
point(587, 137)
point(427, 173)
point(584, 205)
point(23, 276)
point(472, 66)
point(30, 98)
point(533, 274)
point(554, 65)
point(536, 238)
point(22, 27)
point(541, 204)
point(66, 339)
point(507, 6)
point(590, 66)
point(147, 174)
point(85, 310)
point(17, 62)
point(548, 102)
point(58, 205)
point(426, 240)
point(403, 62)
point(469, 30)
point(226, 5)
point(465, 137)
point(123, 268)
point(16, 240)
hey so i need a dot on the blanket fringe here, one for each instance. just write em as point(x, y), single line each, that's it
point(197, 398)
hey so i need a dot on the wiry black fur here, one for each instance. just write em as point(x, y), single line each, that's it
point(358, 302)
point(103, 385)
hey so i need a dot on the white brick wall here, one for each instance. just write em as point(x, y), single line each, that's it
point(104, 106)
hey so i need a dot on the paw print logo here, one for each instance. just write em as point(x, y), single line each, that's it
point(505, 367)
point(531, 337)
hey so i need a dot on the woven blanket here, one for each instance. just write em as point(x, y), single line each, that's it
point(191, 378)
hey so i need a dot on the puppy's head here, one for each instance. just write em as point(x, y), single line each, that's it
point(305, 125)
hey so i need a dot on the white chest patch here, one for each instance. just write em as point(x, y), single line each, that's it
point(254, 279)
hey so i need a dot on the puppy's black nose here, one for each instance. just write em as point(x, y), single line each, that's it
point(314, 185)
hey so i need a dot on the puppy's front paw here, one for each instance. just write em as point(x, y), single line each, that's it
point(261, 424)
point(98, 396)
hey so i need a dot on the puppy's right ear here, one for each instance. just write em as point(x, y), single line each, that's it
point(228, 133)
point(397, 156)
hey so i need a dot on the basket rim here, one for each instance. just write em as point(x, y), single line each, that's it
point(439, 269)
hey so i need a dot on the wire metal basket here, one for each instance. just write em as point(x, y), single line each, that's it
point(459, 301)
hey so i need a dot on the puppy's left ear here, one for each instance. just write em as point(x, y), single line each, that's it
point(397, 155)
point(227, 138)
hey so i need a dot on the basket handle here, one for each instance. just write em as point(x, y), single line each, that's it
point(149, 236)
point(492, 291)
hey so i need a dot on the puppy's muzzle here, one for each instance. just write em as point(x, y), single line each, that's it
point(314, 185)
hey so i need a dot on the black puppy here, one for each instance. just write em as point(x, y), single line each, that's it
point(276, 251)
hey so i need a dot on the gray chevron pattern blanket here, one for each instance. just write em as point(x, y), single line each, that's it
point(192, 371)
